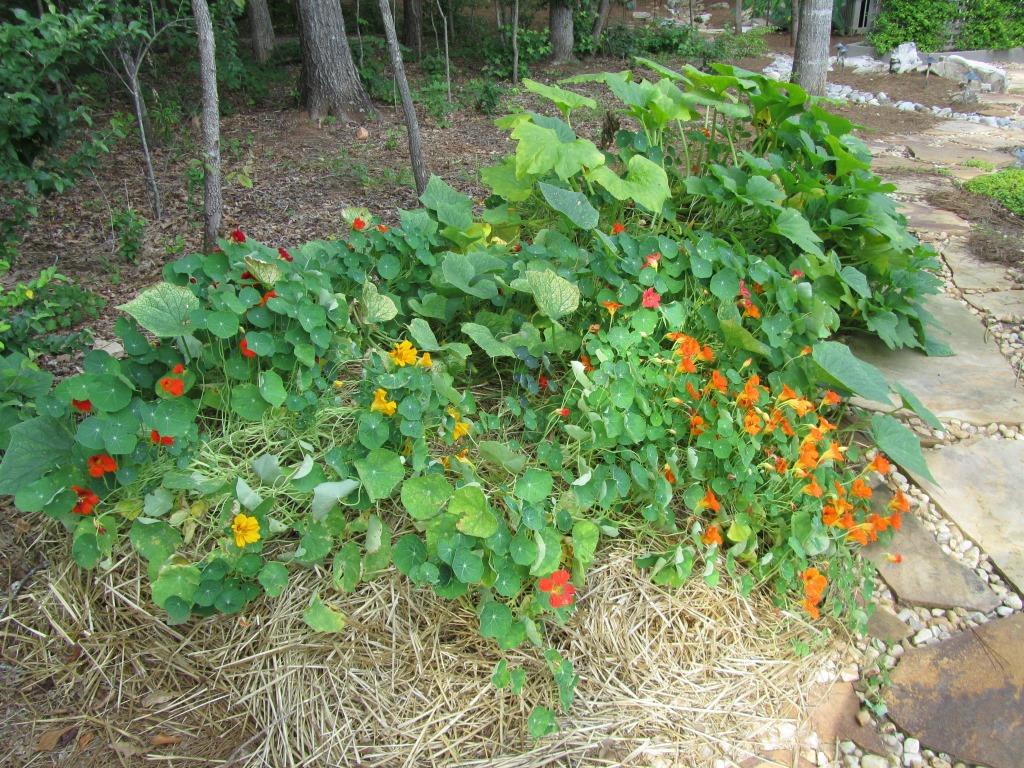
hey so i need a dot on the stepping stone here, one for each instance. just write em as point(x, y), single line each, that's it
point(835, 719)
point(975, 385)
point(978, 487)
point(918, 184)
point(887, 627)
point(926, 576)
point(964, 696)
point(922, 217)
point(956, 154)
point(971, 273)
point(1002, 304)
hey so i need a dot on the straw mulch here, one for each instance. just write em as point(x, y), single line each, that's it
point(668, 677)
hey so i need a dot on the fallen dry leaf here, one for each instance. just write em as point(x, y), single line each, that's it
point(126, 748)
point(85, 739)
point(362, 134)
point(54, 737)
point(164, 739)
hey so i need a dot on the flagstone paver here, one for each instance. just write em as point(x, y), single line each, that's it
point(922, 217)
point(887, 626)
point(974, 385)
point(965, 695)
point(971, 273)
point(1003, 304)
point(926, 576)
point(978, 486)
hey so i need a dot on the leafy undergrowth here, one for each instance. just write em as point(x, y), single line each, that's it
point(623, 342)
point(1005, 186)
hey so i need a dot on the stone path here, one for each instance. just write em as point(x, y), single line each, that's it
point(949, 625)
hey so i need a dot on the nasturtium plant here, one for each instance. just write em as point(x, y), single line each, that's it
point(630, 340)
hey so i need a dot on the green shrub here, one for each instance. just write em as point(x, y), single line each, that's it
point(484, 95)
point(925, 22)
point(625, 343)
point(129, 228)
point(1006, 186)
point(38, 316)
point(995, 24)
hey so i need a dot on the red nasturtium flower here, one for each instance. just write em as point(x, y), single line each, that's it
point(173, 386)
point(285, 255)
point(100, 464)
point(237, 236)
point(87, 500)
point(244, 348)
point(712, 536)
point(82, 406)
point(651, 299)
point(383, 228)
point(588, 367)
point(560, 590)
point(247, 275)
point(358, 224)
point(157, 439)
point(542, 382)
point(651, 260)
point(271, 294)
point(796, 273)
point(617, 228)
point(564, 413)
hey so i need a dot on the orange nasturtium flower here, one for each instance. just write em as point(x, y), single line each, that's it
point(246, 530)
point(831, 398)
point(830, 515)
point(617, 228)
point(751, 392)
point(812, 488)
point(403, 354)
point(834, 452)
point(558, 587)
point(100, 464)
point(814, 589)
point(719, 382)
point(794, 401)
point(588, 367)
point(668, 474)
point(612, 307)
point(752, 422)
point(880, 464)
point(712, 536)
point(710, 501)
point(860, 489)
point(381, 404)
point(697, 426)
point(174, 386)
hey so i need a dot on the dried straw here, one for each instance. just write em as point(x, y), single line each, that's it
point(668, 677)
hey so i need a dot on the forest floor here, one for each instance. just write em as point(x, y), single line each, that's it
point(303, 174)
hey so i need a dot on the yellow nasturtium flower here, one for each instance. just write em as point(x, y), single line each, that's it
point(403, 354)
point(460, 430)
point(381, 404)
point(425, 361)
point(246, 530)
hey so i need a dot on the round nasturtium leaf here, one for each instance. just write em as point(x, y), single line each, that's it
point(425, 496)
point(534, 486)
point(222, 324)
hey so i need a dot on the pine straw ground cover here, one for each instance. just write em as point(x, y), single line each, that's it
point(667, 677)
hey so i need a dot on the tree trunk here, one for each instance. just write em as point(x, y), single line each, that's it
point(412, 27)
point(139, 107)
point(213, 204)
point(810, 62)
point(601, 20)
point(561, 31)
point(261, 30)
point(515, 43)
point(411, 124)
point(329, 83)
point(738, 16)
point(794, 23)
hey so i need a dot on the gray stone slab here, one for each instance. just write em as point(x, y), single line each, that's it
point(922, 217)
point(971, 273)
point(1005, 305)
point(926, 576)
point(978, 486)
point(886, 626)
point(975, 385)
point(964, 696)
point(956, 154)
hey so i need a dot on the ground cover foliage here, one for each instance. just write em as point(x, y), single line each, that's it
point(631, 338)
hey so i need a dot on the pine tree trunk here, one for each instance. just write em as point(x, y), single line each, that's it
point(329, 83)
point(261, 29)
point(600, 21)
point(738, 16)
point(213, 204)
point(794, 23)
point(561, 31)
point(412, 125)
point(810, 62)
point(412, 27)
